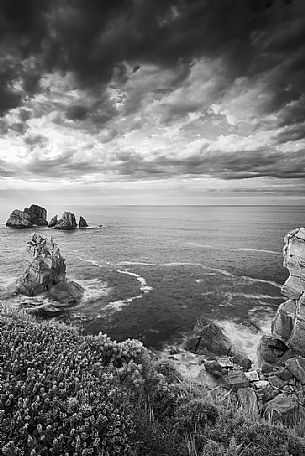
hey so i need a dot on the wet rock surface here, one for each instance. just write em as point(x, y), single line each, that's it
point(276, 388)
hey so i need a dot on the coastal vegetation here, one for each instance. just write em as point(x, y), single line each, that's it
point(62, 393)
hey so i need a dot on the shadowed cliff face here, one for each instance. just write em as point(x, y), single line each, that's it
point(289, 322)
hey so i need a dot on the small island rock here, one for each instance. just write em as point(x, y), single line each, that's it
point(46, 269)
point(67, 222)
point(82, 222)
point(53, 222)
point(38, 215)
point(19, 219)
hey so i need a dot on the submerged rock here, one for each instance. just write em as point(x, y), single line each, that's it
point(67, 293)
point(82, 223)
point(45, 270)
point(67, 222)
point(34, 215)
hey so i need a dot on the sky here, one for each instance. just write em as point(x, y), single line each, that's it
point(152, 102)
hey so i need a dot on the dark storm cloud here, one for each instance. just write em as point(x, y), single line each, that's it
point(93, 38)
point(263, 162)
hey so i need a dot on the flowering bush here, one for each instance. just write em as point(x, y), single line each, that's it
point(62, 394)
point(59, 393)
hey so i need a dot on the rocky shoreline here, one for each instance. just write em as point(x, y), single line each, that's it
point(37, 216)
point(275, 388)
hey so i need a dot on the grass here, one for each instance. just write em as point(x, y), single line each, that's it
point(65, 394)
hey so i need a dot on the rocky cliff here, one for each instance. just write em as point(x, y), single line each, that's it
point(289, 322)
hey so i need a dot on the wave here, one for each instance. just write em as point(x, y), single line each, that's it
point(203, 246)
point(272, 252)
point(269, 282)
point(253, 296)
point(243, 338)
point(135, 263)
point(118, 305)
point(181, 264)
point(144, 287)
point(94, 289)
point(93, 262)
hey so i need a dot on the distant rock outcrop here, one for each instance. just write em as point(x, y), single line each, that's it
point(45, 270)
point(53, 221)
point(38, 215)
point(67, 222)
point(82, 223)
point(18, 219)
point(34, 215)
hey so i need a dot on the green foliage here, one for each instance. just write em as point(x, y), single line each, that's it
point(64, 394)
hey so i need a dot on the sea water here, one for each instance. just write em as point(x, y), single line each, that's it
point(151, 271)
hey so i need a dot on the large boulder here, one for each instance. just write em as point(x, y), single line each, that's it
point(30, 216)
point(82, 222)
point(19, 219)
point(207, 337)
point(282, 409)
point(45, 270)
point(248, 401)
point(38, 215)
point(297, 368)
point(67, 222)
point(283, 322)
point(270, 350)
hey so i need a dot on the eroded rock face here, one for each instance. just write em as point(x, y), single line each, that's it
point(38, 215)
point(46, 269)
point(82, 223)
point(30, 216)
point(208, 337)
point(67, 222)
point(18, 219)
point(289, 322)
point(53, 221)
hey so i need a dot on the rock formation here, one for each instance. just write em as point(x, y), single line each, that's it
point(18, 219)
point(46, 275)
point(34, 215)
point(276, 389)
point(82, 222)
point(53, 221)
point(67, 222)
point(45, 270)
point(37, 214)
point(289, 322)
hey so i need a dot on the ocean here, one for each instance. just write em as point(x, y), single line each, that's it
point(151, 271)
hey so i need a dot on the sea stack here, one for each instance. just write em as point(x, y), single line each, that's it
point(45, 270)
point(31, 216)
point(82, 223)
point(67, 222)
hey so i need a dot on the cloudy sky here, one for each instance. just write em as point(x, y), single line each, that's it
point(152, 101)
